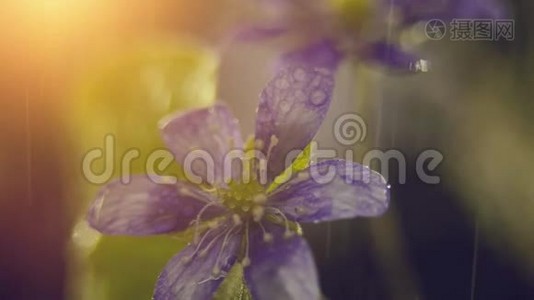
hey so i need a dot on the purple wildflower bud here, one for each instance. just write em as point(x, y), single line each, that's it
point(351, 30)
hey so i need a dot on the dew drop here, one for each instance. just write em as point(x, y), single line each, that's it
point(316, 81)
point(299, 74)
point(284, 107)
point(282, 83)
point(318, 98)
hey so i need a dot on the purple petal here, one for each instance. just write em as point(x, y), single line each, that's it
point(143, 207)
point(330, 190)
point(190, 274)
point(391, 56)
point(291, 109)
point(323, 54)
point(281, 269)
point(210, 131)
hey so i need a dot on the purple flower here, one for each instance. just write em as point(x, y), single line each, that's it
point(245, 221)
point(365, 29)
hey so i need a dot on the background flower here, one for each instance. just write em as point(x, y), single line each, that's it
point(362, 29)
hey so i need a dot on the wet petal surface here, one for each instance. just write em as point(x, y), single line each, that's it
point(143, 207)
point(204, 137)
point(198, 270)
point(330, 190)
point(292, 107)
point(282, 269)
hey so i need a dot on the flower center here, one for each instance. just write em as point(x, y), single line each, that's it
point(247, 205)
point(245, 199)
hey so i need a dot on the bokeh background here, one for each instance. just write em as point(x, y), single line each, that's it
point(76, 70)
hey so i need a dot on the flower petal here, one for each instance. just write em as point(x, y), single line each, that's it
point(281, 269)
point(188, 275)
point(143, 207)
point(291, 109)
point(213, 132)
point(330, 190)
point(322, 54)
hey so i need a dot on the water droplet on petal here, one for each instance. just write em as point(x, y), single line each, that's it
point(318, 98)
point(284, 106)
point(316, 81)
point(282, 83)
point(299, 74)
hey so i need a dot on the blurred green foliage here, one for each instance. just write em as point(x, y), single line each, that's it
point(125, 96)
